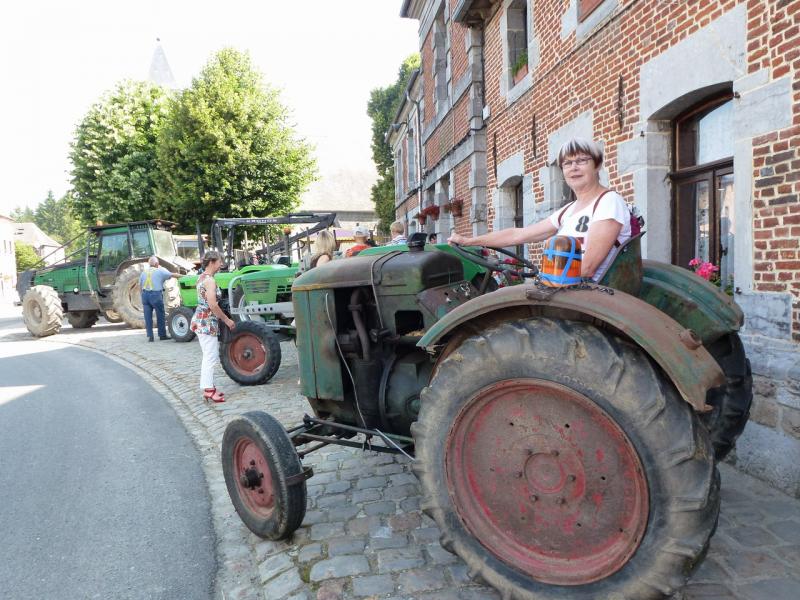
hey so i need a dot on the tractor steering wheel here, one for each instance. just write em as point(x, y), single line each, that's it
point(494, 264)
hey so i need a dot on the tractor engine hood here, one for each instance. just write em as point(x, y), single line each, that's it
point(397, 273)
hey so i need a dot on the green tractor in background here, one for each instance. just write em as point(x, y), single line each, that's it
point(256, 291)
point(105, 281)
point(566, 439)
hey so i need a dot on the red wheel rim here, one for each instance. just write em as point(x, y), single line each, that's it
point(253, 478)
point(547, 481)
point(248, 353)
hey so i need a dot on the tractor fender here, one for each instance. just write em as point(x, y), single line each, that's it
point(678, 351)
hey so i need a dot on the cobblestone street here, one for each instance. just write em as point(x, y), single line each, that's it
point(364, 535)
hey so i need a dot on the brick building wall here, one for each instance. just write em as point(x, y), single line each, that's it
point(628, 75)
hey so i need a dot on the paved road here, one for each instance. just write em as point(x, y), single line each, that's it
point(102, 494)
point(364, 536)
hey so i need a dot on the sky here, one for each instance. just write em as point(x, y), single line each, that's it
point(58, 58)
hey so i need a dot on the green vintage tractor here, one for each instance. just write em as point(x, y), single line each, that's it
point(100, 279)
point(257, 291)
point(565, 439)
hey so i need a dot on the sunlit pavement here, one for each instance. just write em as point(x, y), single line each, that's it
point(364, 535)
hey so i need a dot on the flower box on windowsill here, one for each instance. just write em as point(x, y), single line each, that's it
point(520, 74)
point(454, 207)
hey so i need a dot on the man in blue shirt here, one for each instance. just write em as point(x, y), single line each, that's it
point(152, 283)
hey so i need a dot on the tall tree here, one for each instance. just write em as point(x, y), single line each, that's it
point(227, 148)
point(57, 219)
point(23, 215)
point(25, 256)
point(114, 172)
point(381, 108)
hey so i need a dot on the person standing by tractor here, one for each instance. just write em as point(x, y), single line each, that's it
point(598, 217)
point(205, 323)
point(151, 282)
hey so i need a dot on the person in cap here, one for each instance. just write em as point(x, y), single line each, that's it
point(151, 282)
point(360, 235)
point(432, 238)
point(598, 219)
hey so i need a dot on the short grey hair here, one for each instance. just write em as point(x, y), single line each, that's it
point(581, 146)
point(397, 227)
point(153, 261)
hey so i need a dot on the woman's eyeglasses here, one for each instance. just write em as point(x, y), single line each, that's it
point(578, 161)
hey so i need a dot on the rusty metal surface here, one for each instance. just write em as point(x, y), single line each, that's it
point(692, 371)
point(625, 273)
point(254, 478)
point(247, 353)
point(547, 481)
point(690, 300)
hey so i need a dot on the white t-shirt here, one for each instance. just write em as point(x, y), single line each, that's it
point(578, 224)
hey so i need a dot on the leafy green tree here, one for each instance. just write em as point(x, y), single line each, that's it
point(26, 256)
point(381, 108)
point(23, 215)
point(57, 219)
point(114, 174)
point(227, 148)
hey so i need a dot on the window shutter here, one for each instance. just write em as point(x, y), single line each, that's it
point(586, 7)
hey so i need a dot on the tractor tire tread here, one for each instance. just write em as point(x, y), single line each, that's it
point(652, 572)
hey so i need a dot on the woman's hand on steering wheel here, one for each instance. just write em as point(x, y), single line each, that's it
point(495, 264)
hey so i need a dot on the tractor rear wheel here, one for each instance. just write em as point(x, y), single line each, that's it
point(179, 321)
point(264, 476)
point(41, 311)
point(127, 296)
point(565, 465)
point(732, 401)
point(112, 316)
point(83, 319)
point(250, 354)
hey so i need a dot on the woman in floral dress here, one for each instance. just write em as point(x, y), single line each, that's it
point(205, 323)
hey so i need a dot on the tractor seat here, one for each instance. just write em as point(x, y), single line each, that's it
point(626, 272)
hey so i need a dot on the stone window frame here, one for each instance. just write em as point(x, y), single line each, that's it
point(682, 229)
point(586, 8)
point(516, 36)
point(440, 66)
point(411, 158)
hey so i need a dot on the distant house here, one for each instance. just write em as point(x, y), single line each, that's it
point(8, 268)
point(45, 246)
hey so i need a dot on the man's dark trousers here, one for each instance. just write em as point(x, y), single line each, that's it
point(153, 300)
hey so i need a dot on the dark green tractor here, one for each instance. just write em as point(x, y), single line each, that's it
point(566, 439)
point(101, 279)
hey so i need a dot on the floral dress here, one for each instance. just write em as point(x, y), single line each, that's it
point(204, 321)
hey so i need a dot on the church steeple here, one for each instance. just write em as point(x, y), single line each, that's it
point(160, 72)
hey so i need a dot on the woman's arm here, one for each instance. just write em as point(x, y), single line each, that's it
point(508, 237)
point(602, 235)
point(323, 258)
point(213, 305)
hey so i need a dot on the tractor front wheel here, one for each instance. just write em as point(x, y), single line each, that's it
point(565, 465)
point(127, 296)
point(264, 476)
point(250, 354)
point(41, 311)
point(179, 321)
point(83, 319)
